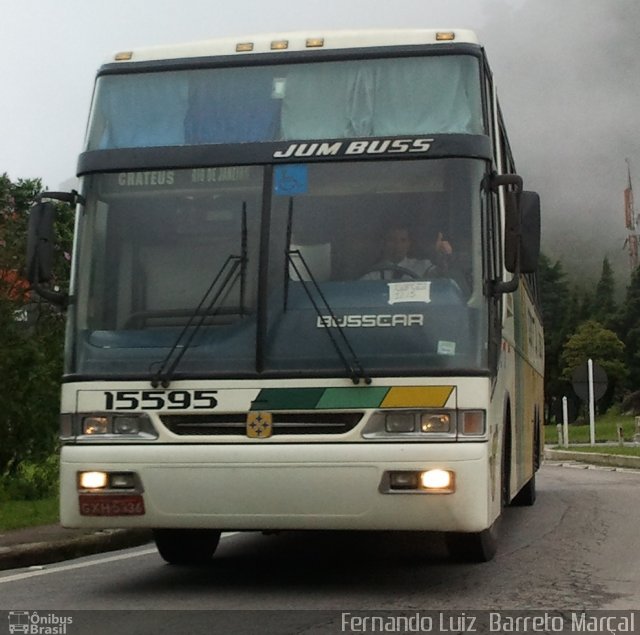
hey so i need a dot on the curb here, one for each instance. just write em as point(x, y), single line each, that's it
point(594, 458)
point(39, 553)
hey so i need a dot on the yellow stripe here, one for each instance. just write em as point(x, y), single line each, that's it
point(417, 397)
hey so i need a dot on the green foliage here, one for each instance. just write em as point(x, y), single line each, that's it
point(604, 305)
point(559, 317)
point(628, 328)
point(581, 324)
point(606, 429)
point(31, 336)
point(592, 341)
point(18, 514)
point(32, 481)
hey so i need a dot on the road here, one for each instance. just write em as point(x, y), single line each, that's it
point(577, 548)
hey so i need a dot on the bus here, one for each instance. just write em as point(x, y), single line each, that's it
point(246, 350)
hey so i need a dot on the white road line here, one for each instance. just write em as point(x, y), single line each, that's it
point(79, 565)
point(25, 575)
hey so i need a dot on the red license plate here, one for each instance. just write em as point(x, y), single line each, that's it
point(108, 505)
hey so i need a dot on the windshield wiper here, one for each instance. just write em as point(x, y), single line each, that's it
point(233, 268)
point(352, 365)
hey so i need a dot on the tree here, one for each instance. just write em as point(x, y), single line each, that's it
point(30, 350)
point(604, 306)
point(593, 341)
point(628, 328)
point(554, 291)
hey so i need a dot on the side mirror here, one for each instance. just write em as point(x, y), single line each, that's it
point(40, 241)
point(529, 231)
point(40, 248)
point(512, 229)
point(522, 232)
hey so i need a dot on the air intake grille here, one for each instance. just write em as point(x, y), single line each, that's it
point(283, 423)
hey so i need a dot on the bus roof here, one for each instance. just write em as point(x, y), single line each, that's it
point(298, 41)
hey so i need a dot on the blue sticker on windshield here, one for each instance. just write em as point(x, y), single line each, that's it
point(291, 179)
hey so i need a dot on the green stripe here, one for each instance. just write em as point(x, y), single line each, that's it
point(365, 397)
point(287, 399)
point(270, 399)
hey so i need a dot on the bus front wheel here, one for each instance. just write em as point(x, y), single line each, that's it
point(479, 546)
point(186, 546)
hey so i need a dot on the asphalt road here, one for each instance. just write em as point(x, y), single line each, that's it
point(578, 548)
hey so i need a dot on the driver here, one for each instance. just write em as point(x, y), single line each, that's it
point(396, 263)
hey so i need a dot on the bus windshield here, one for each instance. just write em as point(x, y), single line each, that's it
point(388, 252)
point(319, 100)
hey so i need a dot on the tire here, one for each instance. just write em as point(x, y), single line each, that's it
point(480, 546)
point(527, 495)
point(186, 546)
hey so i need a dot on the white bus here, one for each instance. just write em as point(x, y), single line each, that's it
point(303, 294)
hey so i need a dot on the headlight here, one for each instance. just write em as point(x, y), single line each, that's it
point(95, 425)
point(440, 422)
point(126, 424)
point(427, 425)
point(400, 422)
point(106, 427)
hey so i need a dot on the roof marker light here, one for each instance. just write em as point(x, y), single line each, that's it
point(445, 36)
point(123, 56)
point(243, 47)
point(279, 45)
point(315, 42)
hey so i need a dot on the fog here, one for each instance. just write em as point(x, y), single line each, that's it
point(568, 74)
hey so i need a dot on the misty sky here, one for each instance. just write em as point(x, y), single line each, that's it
point(568, 73)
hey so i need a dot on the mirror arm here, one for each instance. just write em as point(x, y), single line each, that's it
point(73, 197)
point(498, 287)
point(59, 298)
point(497, 180)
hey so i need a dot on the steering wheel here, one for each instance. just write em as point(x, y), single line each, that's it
point(389, 266)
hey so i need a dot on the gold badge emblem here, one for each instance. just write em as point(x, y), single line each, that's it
point(259, 425)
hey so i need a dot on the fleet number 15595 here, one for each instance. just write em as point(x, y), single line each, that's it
point(160, 399)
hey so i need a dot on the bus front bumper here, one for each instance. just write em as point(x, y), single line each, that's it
point(278, 486)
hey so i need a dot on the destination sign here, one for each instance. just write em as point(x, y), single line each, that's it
point(180, 179)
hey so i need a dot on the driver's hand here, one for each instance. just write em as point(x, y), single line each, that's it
point(443, 247)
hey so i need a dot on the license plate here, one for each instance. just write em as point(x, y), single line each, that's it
point(107, 505)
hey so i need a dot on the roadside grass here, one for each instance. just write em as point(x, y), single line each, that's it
point(29, 497)
point(606, 433)
point(607, 449)
point(19, 514)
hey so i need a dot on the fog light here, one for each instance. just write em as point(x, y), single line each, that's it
point(95, 425)
point(122, 480)
point(436, 479)
point(403, 480)
point(92, 480)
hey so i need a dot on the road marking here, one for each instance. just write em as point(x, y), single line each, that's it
point(81, 565)
point(77, 565)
